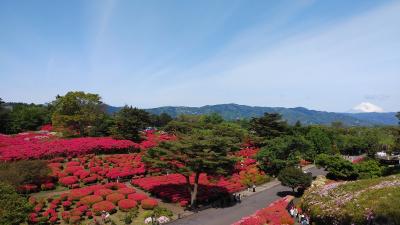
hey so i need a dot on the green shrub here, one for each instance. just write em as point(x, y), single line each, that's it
point(368, 169)
point(14, 209)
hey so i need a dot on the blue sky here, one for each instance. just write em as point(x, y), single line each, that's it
point(328, 55)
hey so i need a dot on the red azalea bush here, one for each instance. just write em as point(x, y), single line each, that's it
point(74, 219)
point(66, 181)
point(126, 191)
point(103, 192)
point(183, 203)
point(126, 204)
point(66, 204)
point(28, 188)
point(115, 197)
point(137, 197)
point(115, 185)
point(274, 214)
point(149, 203)
point(79, 193)
point(103, 205)
point(91, 199)
point(47, 186)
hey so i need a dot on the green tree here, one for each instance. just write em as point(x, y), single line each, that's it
point(198, 151)
point(26, 117)
point(78, 111)
point(368, 169)
point(337, 167)
point(284, 151)
point(294, 178)
point(102, 126)
point(4, 118)
point(14, 209)
point(213, 118)
point(269, 126)
point(160, 120)
point(320, 140)
point(128, 122)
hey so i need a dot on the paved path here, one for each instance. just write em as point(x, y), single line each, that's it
point(229, 215)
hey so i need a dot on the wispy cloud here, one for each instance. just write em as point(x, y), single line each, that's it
point(319, 66)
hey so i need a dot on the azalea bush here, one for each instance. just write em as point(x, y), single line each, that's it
point(127, 204)
point(274, 214)
point(149, 203)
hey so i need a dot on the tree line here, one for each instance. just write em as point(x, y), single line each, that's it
point(78, 114)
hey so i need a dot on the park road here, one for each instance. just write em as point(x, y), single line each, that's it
point(229, 215)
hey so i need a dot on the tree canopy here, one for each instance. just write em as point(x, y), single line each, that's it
point(128, 122)
point(196, 151)
point(77, 111)
point(294, 178)
point(270, 125)
point(4, 118)
point(284, 151)
point(26, 117)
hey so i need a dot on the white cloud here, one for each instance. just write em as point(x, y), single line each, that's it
point(367, 107)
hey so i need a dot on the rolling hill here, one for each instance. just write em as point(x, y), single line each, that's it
point(305, 116)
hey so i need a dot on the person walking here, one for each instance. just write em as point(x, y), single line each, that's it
point(295, 212)
point(291, 211)
point(254, 188)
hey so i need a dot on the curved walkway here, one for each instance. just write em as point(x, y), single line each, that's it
point(229, 215)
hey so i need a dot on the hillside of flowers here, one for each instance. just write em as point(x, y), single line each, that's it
point(354, 202)
point(274, 214)
point(45, 145)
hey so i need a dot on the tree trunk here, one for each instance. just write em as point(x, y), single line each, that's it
point(193, 196)
point(189, 186)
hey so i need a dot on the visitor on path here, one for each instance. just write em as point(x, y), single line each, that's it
point(239, 198)
point(295, 212)
point(254, 188)
point(291, 211)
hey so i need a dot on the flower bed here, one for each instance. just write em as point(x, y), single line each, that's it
point(357, 202)
point(62, 147)
point(91, 169)
point(274, 214)
point(81, 204)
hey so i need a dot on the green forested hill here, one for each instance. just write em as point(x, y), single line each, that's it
point(305, 116)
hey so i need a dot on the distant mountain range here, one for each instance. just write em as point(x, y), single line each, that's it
point(292, 115)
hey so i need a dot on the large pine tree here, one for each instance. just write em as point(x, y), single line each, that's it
point(196, 151)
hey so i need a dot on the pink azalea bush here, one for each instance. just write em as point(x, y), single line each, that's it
point(274, 214)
